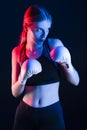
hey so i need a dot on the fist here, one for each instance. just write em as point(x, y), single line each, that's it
point(28, 68)
point(61, 55)
point(31, 66)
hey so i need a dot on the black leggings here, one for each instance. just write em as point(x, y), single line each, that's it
point(46, 118)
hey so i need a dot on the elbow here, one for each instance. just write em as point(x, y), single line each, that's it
point(76, 79)
point(14, 94)
point(76, 82)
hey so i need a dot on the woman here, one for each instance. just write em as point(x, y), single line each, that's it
point(35, 73)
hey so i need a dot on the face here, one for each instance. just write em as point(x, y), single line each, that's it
point(38, 32)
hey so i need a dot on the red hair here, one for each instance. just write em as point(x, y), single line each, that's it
point(34, 13)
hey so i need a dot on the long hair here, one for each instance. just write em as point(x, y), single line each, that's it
point(34, 13)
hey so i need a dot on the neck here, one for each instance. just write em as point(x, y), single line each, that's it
point(34, 52)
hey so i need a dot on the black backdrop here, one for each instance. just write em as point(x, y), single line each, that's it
point(69, 25)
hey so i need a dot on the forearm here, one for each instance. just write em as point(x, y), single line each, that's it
point(72, 75)
point(62, 56)
point(17, 88)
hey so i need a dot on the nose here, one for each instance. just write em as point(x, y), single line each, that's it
point(44, 34)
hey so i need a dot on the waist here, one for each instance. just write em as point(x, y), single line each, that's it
point(41, 96)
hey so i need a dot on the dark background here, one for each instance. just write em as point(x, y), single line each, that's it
point(69, 25)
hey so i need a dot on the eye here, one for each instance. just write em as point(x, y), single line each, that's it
point(39, 30)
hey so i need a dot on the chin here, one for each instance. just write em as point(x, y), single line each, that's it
point(40, 43)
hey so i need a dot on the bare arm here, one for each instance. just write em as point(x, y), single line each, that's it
point(64, 61)
point(71, 74)
point(16, 86)
point(21, 74)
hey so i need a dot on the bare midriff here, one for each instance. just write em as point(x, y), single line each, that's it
point(41, 95)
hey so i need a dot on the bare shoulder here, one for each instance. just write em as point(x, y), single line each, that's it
point(16, 50)
point(54, 42)
point(16, 53)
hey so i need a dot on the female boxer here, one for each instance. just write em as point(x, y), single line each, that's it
point(36, 62)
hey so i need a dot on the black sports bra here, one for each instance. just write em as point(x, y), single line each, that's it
point(49, 74)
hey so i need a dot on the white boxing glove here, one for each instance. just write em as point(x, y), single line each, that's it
point(28, 68)
point(61, 55)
